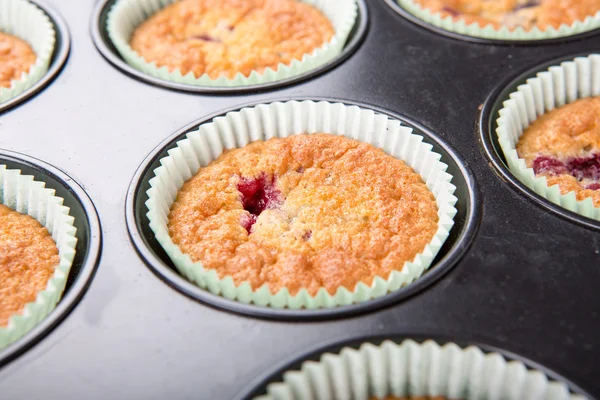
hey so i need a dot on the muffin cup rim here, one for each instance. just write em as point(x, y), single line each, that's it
point(150, 72)
point(136, 222)
point(293, 361)
point(489, 39)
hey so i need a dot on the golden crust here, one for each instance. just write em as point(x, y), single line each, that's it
point(565, 132)
point(515, 13)
point(224, 37)
point(28, 258)
point(348, 212)
point(16, 57)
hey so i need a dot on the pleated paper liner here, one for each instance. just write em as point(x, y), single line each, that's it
point(126, 15)
point(559, 85)
point(27, 196)
point(456, 25)
point(415, 369)
point(26, 21)
point(262, 122)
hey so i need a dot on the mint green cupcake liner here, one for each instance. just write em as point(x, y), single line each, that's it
point(126, 15)
point(26, 21)
point(27, 196)
point(559, 85)
point(265, 121)
point(416, 369)
point(457, 25)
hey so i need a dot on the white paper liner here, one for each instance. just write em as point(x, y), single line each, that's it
point(489, 32)
point(559, 85)
point(265, 121)
point(126, 15)
point(27, 196)
point(26, 21)
point(414, 369)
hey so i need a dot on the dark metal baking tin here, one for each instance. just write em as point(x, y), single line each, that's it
point(461, 235)
point(89, 243)
point(108, 51)
point(414, 19)
point(487, 129)
point(294, 363)
point(62, 47)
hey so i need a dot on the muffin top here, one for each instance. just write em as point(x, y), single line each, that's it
point(226, 37)
point(307, 211)
point(28, 257)
point(16, 57)
point(564, 146)
point(515, 13)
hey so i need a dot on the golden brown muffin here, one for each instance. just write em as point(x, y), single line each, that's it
point(564, 146)
point(515, 13)
point(224, 37)
point(16, 57)
point(28, 257)
point(307, 211)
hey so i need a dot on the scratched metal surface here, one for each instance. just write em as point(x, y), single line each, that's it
point(529, 284)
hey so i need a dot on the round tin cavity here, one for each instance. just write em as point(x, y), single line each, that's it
point(110, 53)
point(89, 243)
point(465, 225)
point(421, 347)
point(487, 130)
point(59, 57)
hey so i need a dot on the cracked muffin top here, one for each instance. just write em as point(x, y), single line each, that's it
point(16, 58)
point(515, 13)
point(28, 258)
point(307, 211)
point(227, 37)
point(564, 146)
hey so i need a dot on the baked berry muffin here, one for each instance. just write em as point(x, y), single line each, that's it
point(222, 38)
point(564, 146)
point(16, 58)
point(527, 14)
point(28, 258)
point(306, 211)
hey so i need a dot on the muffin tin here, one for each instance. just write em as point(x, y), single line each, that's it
point(515, 274)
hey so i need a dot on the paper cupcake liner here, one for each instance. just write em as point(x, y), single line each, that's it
point(416, 369)
point(448, 23)
point(126, 15)
point(557, 86)
point(26, 21)
point(265, 121)
point(27, 196)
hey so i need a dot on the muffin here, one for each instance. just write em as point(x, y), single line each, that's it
point(227, 37)
point(564, 146)
point(304, 212)
point(16, 58)
point(28, 259)
point(37, 248)
point(526, 14)
point(229, 43)
point(285, 205)
point(407, 370)
point(27, 40)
